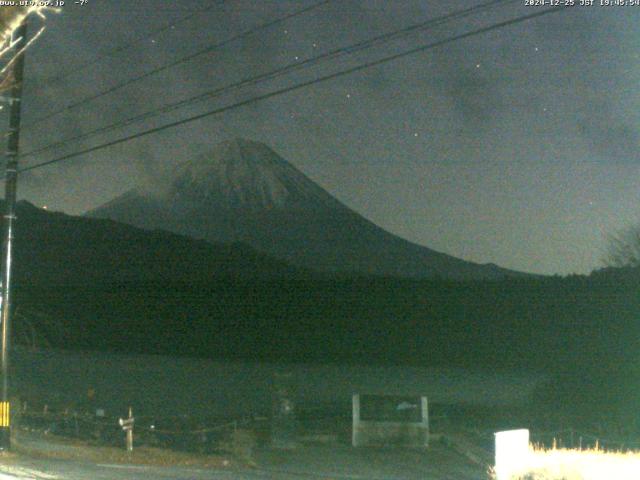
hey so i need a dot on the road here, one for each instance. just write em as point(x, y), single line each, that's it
point(66, 470)
point(321, 462)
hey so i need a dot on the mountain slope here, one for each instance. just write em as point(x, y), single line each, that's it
point(244, 192)
point(58, 249)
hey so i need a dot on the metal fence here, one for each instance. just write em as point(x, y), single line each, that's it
point(184, 433)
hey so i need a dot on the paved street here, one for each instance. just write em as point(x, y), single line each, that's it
point(66, 470)
point(318, 462)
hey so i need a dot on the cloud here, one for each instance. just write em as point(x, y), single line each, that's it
point(475, 97)
point(607, 133)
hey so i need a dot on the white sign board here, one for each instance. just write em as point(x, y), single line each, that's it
point(512, 452)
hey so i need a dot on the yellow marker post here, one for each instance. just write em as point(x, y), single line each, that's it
point(5, 415)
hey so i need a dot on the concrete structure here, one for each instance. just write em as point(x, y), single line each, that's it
point(390, 420)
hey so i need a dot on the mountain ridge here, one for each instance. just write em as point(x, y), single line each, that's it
point(245, 192)
point(53, 248)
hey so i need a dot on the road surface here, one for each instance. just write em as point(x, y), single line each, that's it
point(319, 463)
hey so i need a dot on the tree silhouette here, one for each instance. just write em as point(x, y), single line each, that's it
point(623, 249)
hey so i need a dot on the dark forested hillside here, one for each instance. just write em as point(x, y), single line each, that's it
point(62, 250)
point(538, 324)
point(99, 285)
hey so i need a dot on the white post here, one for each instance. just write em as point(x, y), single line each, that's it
point(130, 432)
point(424, 404)
point(356, 420)
point(127, 426)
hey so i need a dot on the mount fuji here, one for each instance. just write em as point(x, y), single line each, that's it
point(245, 192)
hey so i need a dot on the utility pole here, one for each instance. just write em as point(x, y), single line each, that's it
point(11, 185)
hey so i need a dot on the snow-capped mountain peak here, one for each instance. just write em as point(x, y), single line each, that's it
point(243, 174)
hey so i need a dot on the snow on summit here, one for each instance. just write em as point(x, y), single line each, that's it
point(243, 174)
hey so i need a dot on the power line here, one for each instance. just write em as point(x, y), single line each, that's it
point(125, 46)
point(274, 73)
point(174, 63)
point(299, 86)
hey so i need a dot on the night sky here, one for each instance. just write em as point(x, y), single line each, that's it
point(517, 147)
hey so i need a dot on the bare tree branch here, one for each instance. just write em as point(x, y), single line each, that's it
point(623, 248)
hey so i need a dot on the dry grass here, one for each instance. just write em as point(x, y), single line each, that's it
point(11, 17)
point(566, 464)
